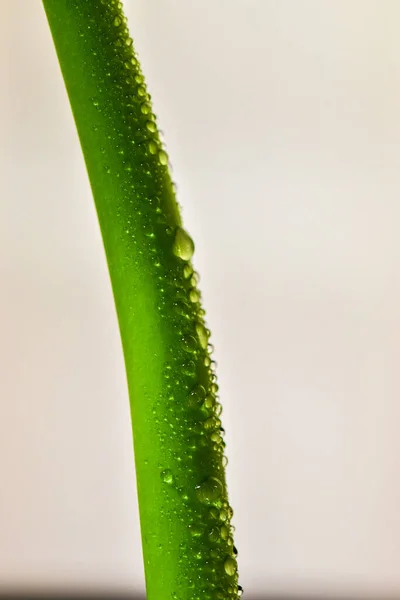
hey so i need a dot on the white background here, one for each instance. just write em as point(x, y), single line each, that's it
point(282, 121)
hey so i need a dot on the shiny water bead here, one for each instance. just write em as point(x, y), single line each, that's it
point(194, 296)
point(153, 147)
point(230, 566)
point(187, 271)
point(214, 513)
point(151, 126)
point(216, 438)
point(196, 530)
point(214, 534)
point(209, 424)
point(183, 244)
point(209, 402)
point(240, 591)
point(223, 514)
point(145, 108)
point(209, 490)
point(197, 395)
point(167, 476)
point(163, 158)
point(224, 532)
point(195, 279)
point(203, 335)
point(218, 412)
point(189, 343)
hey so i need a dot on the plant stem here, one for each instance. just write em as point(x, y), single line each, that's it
point(184, 511)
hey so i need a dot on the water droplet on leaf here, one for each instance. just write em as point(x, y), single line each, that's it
point(209, 490)
point(230, 566)
point(166, 476)
point(183, 244)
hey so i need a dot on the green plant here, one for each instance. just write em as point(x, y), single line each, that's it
point(179, 450)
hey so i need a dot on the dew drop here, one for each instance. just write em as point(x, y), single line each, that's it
point(153, 147)
point(235, 552)
point(209, 401)
point(230, 566)
point(195, 279)
point(214, 534)
point(166, 476)
point(216, 438)
point(223, 515)
point(224, 532)
point(194, 296)
point(183, 244)
point(214, 513)
point(196, 530)
point(117, 21)
point(145, 108)
point(189, 343)
point(187, 271)
point(240, 591)
point(209, 490)
point(203, 336)
point(151, 126)
point(163, 158)
point(197, 395)
point(209, 424)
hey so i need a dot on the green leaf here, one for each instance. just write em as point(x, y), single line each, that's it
point(179, 449)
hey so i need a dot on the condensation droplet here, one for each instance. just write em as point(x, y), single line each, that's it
point(194, 296)
point(209, 490)
point(151, 126)
point(223, 514)
point(214, 513)
point(166, 476)
point(153, 147)
point(203, 336)
point(196, 530)
point(209, 401)
point(197, 395)
point(187, 271)
point(163, 158)
point(189, 343)
point(195, 279)
point(145, 108)
point(224, 532)
point(183, 244)
point(230, 566)
point(214, 534)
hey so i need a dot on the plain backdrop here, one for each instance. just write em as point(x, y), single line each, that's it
point(282, 121)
